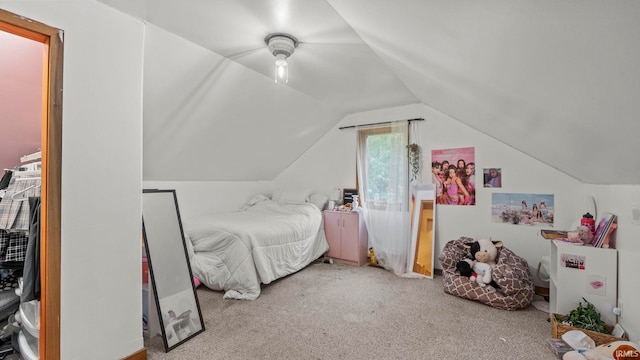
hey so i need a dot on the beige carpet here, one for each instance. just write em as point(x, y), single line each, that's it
point(341, 312)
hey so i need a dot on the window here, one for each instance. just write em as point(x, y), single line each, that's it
point(384, 174)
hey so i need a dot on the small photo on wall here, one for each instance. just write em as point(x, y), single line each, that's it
point(492, 177)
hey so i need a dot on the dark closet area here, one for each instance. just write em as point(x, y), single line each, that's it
point(21, 107)
point(20, 261)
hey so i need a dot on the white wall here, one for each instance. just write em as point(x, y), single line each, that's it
point(331, 163)
point(101, 176)
point(196, 198)
point(620, 200)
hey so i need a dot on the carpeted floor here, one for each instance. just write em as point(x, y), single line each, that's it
point(341, 312)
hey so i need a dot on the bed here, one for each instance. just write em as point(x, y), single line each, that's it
point(267, 239)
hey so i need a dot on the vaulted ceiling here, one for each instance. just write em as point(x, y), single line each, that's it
point(558, 80)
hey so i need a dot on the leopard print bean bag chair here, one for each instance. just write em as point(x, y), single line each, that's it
point(511, 273)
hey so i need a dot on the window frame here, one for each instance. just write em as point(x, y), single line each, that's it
point(363, 135)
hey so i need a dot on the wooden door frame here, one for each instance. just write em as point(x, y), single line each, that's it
point(50, 208)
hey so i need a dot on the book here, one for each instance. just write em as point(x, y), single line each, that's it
point(559, 347)
point(609, 240)
point(602, 223)
point(603, 229)
point(567, 241)
point(554, 234)
point(606, 235)
point(609, 226)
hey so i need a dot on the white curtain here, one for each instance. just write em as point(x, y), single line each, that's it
point(385, 204)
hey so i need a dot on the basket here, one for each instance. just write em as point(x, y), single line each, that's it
point(558, 328)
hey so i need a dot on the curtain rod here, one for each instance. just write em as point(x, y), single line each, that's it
point(380, 123)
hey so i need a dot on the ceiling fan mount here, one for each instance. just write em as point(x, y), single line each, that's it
point(281, 44)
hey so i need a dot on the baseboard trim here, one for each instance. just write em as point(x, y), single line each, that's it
point(138, 355)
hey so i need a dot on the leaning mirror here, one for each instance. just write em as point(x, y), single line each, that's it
point(169, 269)
point(421, 252)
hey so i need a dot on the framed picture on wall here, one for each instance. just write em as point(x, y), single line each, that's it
point(347, 195)
point(492, 177)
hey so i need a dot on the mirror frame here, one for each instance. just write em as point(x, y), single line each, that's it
point(422, 243)
point(185, 321)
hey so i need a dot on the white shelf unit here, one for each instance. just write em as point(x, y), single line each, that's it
point(568, 285)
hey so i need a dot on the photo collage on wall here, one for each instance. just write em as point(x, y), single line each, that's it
point(453, 174)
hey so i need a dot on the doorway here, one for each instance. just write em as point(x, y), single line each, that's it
point(51, 145)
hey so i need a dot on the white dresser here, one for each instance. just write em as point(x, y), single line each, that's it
point(578, 272)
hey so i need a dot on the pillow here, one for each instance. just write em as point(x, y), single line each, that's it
point(256, 199)
point(277, 194)
point(291, 196)
point(318, 200)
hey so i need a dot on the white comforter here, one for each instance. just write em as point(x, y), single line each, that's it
point(238, 251)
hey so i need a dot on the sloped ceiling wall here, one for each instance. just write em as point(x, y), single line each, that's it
point(209, 118)
point(211, 108)
point(555, 79)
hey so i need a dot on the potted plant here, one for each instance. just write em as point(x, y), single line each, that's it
point(414, 160)
point(586, 317)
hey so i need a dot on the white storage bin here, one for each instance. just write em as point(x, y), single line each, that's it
point(30, 316)
point(28, 346)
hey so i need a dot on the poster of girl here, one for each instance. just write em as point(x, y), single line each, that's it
point(455, 171)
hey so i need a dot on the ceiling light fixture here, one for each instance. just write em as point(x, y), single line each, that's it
point(281, 45)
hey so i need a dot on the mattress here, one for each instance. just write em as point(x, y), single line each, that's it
point(237, 251)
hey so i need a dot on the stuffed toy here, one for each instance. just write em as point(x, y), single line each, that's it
point(618, 350)
point(477, 272)
point(464, 267)
point(483, 273)
point(484, 250)
point(585, 234)
point(484, 253)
